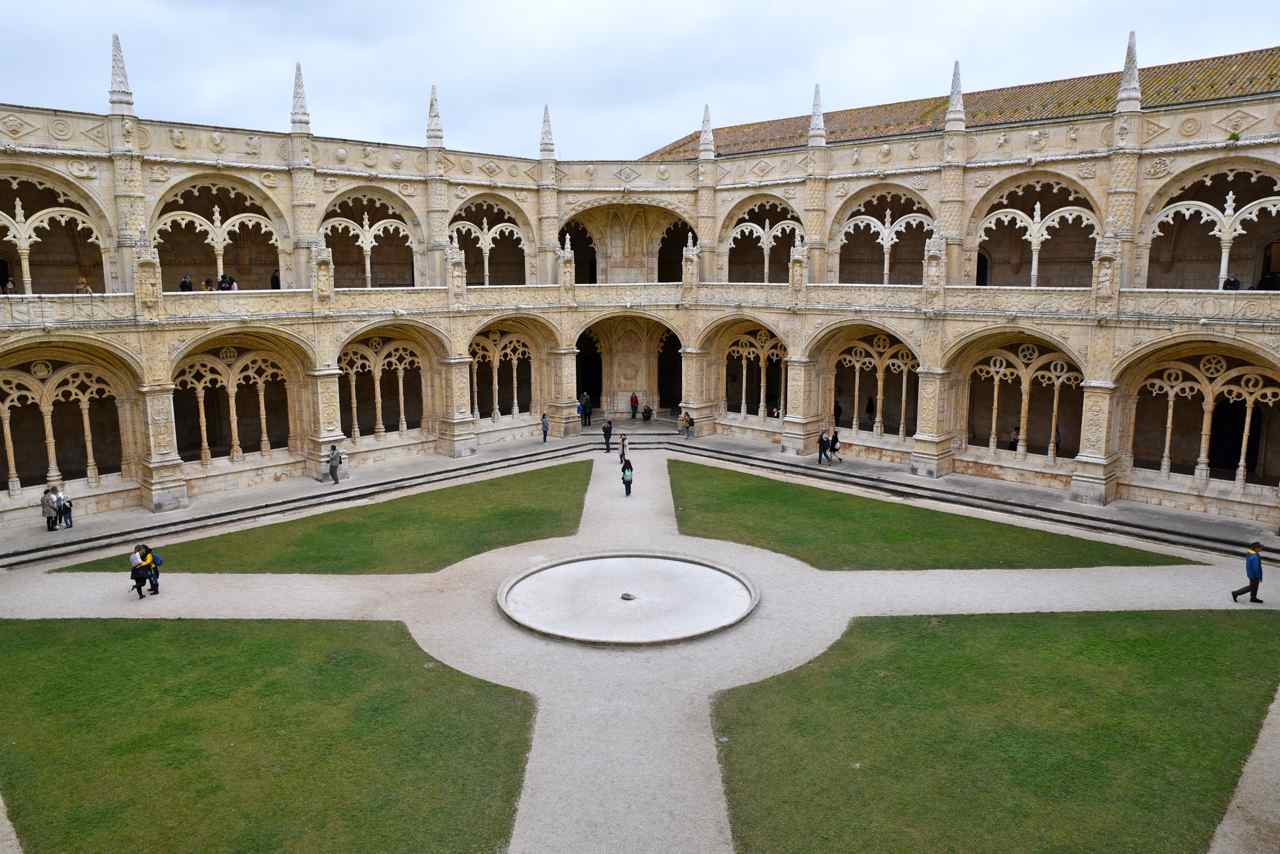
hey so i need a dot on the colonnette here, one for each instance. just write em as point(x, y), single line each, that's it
point(1034, 284)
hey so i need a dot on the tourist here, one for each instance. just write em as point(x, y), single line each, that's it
point(607, 430)
point(49, 509)
point(824, 447)
point(1231, 283)
point(833, 450)
point(224, 282)
point(184, 284)
point(586, 407)
point(208, 284)
point(1013, 439)
point(628, 473)
point(82, 287)
point(275, 280)
point(635, 405)
point(335, 463)
point(63, 506)
point(582, 418)
point(546, 427)
point(235, 286)
point(138, 574)
point(647, 413)
point(150, 562)
point(623, 446)
point(688, 426)
point(1252, 571)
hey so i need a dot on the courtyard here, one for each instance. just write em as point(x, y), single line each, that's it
point(913, 679)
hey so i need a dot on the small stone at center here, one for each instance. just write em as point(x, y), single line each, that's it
point(627, 597)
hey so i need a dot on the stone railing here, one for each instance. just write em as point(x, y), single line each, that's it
point(56, 309)
point(26, 311)
point(1210, 305)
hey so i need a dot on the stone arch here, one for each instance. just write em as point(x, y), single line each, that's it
point(494, 233)
point(391, 381)
point(1200, 408)
point(624, 352)
point(541, 331)
point(298, 351)
point(234, 183)
point(744, 205)
point(431, 337)
point(83, 196)
point(978, 211)
point(759, 247)
point(745, 378)
point(583, 325)
point(706, 335)
point(1178, 342)
point(513, 208)
point(823, 336)
point(669, 205)
point(53, 238)
point(509, 370)
point(1184, 178)
point(1017, 390)
point(78, 347)
point(393, 200)
point(866, 194)
point(865, 373)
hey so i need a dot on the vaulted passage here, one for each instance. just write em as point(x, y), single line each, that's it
point(206, 231)
point(625, 355)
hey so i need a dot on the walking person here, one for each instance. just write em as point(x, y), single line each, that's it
point(628, 474)
point(1253, 572)
point(688, 426)
point(635, 405)
point(150, 562)
point(64, 507)
point(824, 447)
point(335, 463)
point(607, 430)
point(546, 427)
point(137, 572)
point(623, 447)
point(49, 508)
point(833, 449)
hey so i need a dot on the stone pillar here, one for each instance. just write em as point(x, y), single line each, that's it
point(130, 203)
point(163, 484)
point(689, 272)
point(694, 364)
point(148, 291)
point(548, 205)
point(1098, 462)
point(326, 425)
point(457, 424)
point(561, 405)
point(708, 175)
point(802, 423)
point(931, 454)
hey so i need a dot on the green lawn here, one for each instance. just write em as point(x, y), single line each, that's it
point(211, 736)
point(833, 530)
point(1041, 733)
point(419, 533)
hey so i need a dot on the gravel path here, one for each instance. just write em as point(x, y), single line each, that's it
point(623, 756)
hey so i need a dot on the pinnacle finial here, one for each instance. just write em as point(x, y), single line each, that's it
point(435, 129)
point(119, 94)
point(707, 139)
point(1129, 98)
point(300, 119)
point(955, 105)
point(547, 145)
point(817, 127)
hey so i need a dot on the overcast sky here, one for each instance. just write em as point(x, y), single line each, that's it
point(621, 78)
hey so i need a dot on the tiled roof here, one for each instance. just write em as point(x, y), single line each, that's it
point(1237, 75)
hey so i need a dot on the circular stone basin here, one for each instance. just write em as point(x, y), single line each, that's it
point(586, 599)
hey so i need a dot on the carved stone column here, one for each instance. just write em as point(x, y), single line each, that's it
point(457, 425)
point(1098, 462)
point(130, 202)
point(802, 423)
point(326, 424)
point(931, 454)
point(163, 484)
point(562, 406)
point(696, 402)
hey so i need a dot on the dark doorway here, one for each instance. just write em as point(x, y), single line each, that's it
point(983, 262)
point(590, 369)
point(670, 373)
point(1226, 433)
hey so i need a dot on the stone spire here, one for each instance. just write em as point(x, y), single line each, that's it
point(547, 145)
point(707, 140)
point(435, 130)
point(119, 95)
point(817, 128)
point(299, 119)
point(955, 106)
point(1129, 98)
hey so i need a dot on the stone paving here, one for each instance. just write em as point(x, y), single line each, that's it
point(623, 757)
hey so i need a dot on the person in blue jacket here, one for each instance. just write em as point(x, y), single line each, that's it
point(1253, 571)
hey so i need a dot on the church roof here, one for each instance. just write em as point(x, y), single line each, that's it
point(1216, 78)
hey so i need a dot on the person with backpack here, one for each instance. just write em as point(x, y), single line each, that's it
point(150, 562)
point(49, 509)
point(607, 430)
point(824, 448)
point(628, 474)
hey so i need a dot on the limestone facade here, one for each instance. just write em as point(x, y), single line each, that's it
point(1041, 301)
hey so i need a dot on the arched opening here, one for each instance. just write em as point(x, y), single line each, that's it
point(1024, 397)
point(208, 232)
point(754, 375)
point(506, 386)
point(230, 399)
point(1208, 413)
point(371, 243)
point(1217, 231)
point(386, 387)
point(761, 241)
point(1040, 233)
point(870, 386)
point(48, 242)
point(492, 243)
point(883, 240)
point(584, 252)
point(625, 355)
point(671, 251)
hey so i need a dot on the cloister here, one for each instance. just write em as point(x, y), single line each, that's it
point(1075, 294)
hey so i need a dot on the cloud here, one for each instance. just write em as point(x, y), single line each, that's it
point(622, 78)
